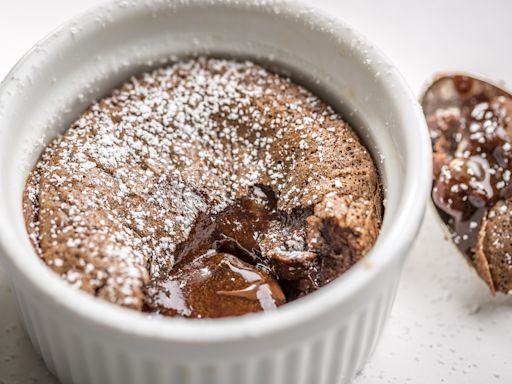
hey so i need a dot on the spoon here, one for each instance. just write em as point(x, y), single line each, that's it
point(470, 123)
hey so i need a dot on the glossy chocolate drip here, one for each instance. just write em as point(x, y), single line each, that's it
point(220, 270)
point(215, 285)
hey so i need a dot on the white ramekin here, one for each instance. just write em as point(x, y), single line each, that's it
point(325, 337)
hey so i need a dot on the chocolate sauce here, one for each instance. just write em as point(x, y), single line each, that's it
point(216, 285)
point(471, 129)
point(219, 270)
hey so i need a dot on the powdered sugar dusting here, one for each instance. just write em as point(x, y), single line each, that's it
point(110, 200)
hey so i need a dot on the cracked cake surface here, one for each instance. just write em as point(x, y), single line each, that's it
point(205, 188)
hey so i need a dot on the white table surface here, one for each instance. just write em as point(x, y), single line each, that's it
point(445, 327)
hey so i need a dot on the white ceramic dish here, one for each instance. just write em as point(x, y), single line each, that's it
point(323, 338)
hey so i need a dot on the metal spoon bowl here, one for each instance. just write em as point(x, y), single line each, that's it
point(443, 92)
point(458, 90)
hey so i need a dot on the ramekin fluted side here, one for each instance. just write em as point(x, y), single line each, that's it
point(76, 356)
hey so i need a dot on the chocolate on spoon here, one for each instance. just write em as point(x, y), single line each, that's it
point(470, 123)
